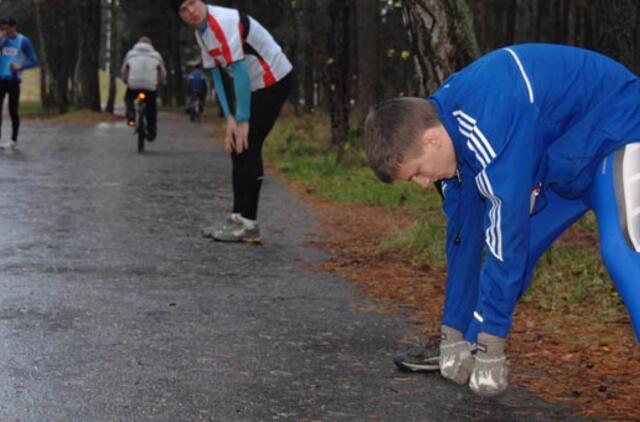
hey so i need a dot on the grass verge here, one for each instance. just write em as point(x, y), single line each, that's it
point(299, 150)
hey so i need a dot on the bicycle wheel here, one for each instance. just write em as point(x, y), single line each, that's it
point(141, 133)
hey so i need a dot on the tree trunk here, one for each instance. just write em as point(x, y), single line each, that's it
point(310, 62)
point(294, 12)
point(616, 29)
point(113, 54)
point(337, 80)
point(89, 58)
point(368, 18)
point(442, 38)
point(51, 20)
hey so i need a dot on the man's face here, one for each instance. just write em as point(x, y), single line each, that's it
point(193, 12)
point(11, 31)
point(436, 160)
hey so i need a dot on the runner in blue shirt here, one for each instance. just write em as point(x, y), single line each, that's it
point(525, 140)
point(16, 55)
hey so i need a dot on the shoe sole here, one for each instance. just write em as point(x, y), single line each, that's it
point(429, 365)
point(251, 240)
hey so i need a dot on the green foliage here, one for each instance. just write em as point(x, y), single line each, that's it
point(298, 151)
point(30, 109)
point(573, 275)
point(423, 243)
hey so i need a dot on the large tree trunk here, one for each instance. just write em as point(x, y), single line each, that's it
point(293, 13)
point(52, 17)
point(112, 54)
point(175, 76)
point(368, 18)
point(616, 29)
point(442, 38)
point(310, 62)
point(337, 81)
point(89, 60)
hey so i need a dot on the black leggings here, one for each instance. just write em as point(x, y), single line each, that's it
point(13, 89)
point(248, 171)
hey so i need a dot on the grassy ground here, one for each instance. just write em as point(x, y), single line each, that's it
point(299, 150)
point(567, 275)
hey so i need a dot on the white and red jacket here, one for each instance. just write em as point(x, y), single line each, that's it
point(230, 36)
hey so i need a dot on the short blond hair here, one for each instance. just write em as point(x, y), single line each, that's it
point(145, 39)
point(392, 132)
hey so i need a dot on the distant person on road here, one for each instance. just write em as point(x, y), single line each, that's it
point(16, 54)
point(143, 71)
point(197, 85)
point(525, 140)
point(235, 43)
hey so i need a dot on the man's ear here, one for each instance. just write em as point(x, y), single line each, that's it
point(430, 138)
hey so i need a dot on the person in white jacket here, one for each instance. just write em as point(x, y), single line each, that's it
point(143, 70)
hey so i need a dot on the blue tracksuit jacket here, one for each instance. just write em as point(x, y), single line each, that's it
point(524, 120)
point(17, 50)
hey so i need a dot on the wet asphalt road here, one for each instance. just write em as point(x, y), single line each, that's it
point(113, 308)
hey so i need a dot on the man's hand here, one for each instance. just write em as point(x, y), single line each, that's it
point(237, 136)
point(229, 141)
point(15, 68)
point(241, 135)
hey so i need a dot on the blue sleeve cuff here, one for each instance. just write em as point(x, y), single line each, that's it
point(219, 87)
point(242, 86)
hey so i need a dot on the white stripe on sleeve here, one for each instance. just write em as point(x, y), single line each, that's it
point(479, 144)
point(524, 74)
point(493, 235)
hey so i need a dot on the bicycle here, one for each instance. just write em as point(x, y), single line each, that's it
point(141, 119)
point(195, 107)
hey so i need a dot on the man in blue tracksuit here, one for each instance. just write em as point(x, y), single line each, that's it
point(16, 54)
point(525, 140)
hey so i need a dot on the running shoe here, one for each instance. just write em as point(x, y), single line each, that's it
point(240, 233)
point(418, 359)
point(232, 222)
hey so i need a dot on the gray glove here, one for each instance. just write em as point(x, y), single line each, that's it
point(489, 376)
point(456, 361)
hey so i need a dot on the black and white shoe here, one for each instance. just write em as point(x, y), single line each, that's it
point(418, 359)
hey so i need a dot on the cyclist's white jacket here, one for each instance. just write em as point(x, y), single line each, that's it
point(143, 62)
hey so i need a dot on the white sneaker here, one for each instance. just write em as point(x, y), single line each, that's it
point(9, 145)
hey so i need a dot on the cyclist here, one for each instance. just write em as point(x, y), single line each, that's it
point(16, 54)
point(197, 85)
point(143, 70)
point(233, 42)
